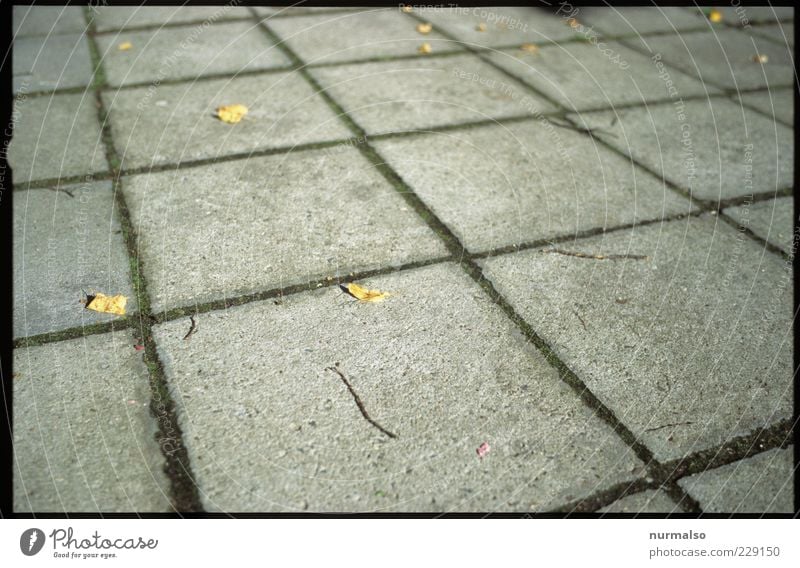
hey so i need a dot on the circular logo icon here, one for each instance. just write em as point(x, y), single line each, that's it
point(31, 541)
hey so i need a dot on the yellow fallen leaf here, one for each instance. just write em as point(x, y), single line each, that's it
point(425, 48)
point(125, 46)
point(760, 58)
point(715, 16)
point(529, 47)
point(424, 28)
point(573, 23)
point(365, 295)
point(231, 113)
point(481, 27)
point(108, 304)
point(407, 8)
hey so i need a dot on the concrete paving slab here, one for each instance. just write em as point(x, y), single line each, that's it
point(68, 244)
point(582, 76)
point(419, 94)
point(187, 52)
point(689, 347)
point(50, 63)
point(723, 57)
point(108, 18)
point(760, 484)
point(771, 220)
point(281, 220)
point(353, 36)
point(84, 437)
point(716, 148)
point(176, 123)
point(497, 185)
point(622, 21)
point(268, 428)
point(780, 33)
point(48, 20)
point(502, 26)
point(777, 103)
point(651, 501)
point(55, 137)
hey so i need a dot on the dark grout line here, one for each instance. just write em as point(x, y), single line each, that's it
point(74, 332)
point(166, 26)
point(604, 497)
point(734, 97)
point(183, 488)
point(747, 231)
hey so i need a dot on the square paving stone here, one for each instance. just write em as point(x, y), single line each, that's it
point(714, 148)
point(778, 104)
point(760, 484)
point(84, 437)
point(497, 186)
point(67, 243)
point(503, 26)
point(176, 123)
point(50, 63)
point(723, 57)
point(185, 53)
point(424, 93)
point(780, 33)
point(436, 364)
point(636, 20)
point(583, 75)
point(689, 347)
point(55, 137)
point(281, 220)
point(771, 220)
point(124, 17)
point(48, 20)
point(651, 501)
point(353, 36)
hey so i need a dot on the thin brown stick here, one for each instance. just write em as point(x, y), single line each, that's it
point(668, 425)
point(360, 404)
point(192, 329)
point(597, 256)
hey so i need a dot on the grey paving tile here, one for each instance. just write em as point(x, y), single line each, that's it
point(84, 437)
point(423, 93)
point(48, 20)
point(723, 57)
point(618, 21)
point(746, 15)
point(777, 103)
point(57, 136)
point(175, 123)
point(716, 148)
point(268, 428)
point(584, 75)
point(498, 186)
point(503, 26)
point(282, 220)
point(50, 63)
point(760, 484)
point(353, 36)
point(64, 248)
point(771, 220)
point(123, 17)
point(651, 501)
point(781, 33)
point(172, 53)
point(689, 348)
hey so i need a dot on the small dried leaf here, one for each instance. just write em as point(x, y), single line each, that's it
point(481, 27)
point(529, 47)
point(407, 8)
point(139, 347)
point(715, 16)
point(365, 295)
point(483, 449)
point(107, 304)
point(231, 113)
point(760, 58)
point(424, 28)
point(573, 23)
point(125, 46)
point(425, 48)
